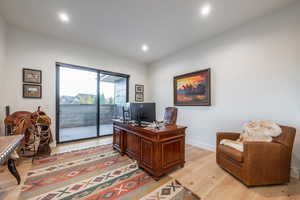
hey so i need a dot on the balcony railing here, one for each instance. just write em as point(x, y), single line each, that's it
point(82, 115)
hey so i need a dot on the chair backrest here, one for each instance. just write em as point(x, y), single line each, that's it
point(287, 136)
point(170, 117)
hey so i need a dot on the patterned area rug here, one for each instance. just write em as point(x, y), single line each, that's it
point(8, 182)
point(4, 190)
point(94, 174)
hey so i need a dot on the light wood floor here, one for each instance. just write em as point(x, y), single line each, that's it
point(201, 174)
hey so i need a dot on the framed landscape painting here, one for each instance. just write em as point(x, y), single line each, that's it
point(32, 91)
point(193, 89)
point(32, 76)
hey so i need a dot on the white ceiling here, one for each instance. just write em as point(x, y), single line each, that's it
point(122, 26)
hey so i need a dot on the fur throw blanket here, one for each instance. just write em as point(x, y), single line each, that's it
point(256, 131)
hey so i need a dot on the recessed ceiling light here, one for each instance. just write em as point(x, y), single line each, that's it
point(205, 10)
point(64, 17)
point(145, 48)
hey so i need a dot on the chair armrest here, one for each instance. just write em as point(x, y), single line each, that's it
point(264, 150)
point(227, 135)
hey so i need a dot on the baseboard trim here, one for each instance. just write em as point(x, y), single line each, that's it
point(202, 145)
point(295, 172)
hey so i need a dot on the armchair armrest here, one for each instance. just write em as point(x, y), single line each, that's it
point(264, 151)
point(227, 135)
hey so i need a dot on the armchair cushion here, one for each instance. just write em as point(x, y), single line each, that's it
point(234, 144)
point(227, 135)
point(231, 152)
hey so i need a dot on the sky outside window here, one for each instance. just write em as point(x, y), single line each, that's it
point(74, 82)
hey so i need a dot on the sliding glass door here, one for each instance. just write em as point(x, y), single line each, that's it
point(87, 102)
point(113, 95)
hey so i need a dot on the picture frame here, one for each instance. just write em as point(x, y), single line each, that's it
point(193, 89)
point(139, 97)
point(32, 91)
point(139, 93)
point(33, 76)
point(139, 88)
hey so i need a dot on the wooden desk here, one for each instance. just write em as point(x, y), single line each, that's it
point(157, 151)
point(7, 145)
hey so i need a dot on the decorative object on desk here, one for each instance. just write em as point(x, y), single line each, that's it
point(97, 173)
point(36, 128)
point(139, 93)
point(32, 76)
point(157, 124)
point(32, 91)
point(193, 89)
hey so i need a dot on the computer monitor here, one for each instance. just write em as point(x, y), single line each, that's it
point(144, 112)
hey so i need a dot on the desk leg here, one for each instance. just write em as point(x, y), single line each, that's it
point(12, 168)
point(156, 178)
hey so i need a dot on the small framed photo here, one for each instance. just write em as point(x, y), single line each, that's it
point(32, 76)
point(32, 91)
point(139, 96)
point(139, 88)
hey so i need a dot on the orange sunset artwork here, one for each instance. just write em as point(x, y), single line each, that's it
point(192, 89)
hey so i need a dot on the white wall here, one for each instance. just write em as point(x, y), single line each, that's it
point(255, 75)
point(2, 57)
point(30, 50)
